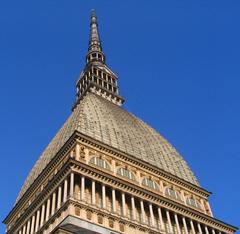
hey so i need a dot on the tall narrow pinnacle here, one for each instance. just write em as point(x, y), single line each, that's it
point(95, 52)
point(94, 42)
point(96, 76)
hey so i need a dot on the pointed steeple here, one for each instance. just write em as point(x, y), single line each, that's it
point(95, 52)
point(97, 77)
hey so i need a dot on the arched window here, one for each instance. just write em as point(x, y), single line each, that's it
point(126, 173)
point(172, 193)
point(150, 183)
point(99, 162)
point(193, 202)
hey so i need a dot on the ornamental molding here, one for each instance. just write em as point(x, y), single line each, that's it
point(42, 177)
point(83, 139)
point(42, 197)
point(62, 162)
point(158, 200)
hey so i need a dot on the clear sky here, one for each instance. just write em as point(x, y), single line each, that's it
point(179, 69)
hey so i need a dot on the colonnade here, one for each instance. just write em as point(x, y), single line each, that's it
point(49, 207)
point(118, 202)
point(150, 214)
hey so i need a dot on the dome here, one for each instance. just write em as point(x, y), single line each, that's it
point(110, 124)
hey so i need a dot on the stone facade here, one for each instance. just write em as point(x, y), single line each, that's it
point(86, 183)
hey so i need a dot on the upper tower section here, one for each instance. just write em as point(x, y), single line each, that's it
point(95, 52)
point(97, 77)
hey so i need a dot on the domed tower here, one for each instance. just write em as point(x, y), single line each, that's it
point(106, 171)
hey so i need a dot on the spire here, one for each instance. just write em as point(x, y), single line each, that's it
point(95, 52)
point(97, 77)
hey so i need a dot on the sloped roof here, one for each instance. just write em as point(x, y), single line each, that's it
point(110, 124)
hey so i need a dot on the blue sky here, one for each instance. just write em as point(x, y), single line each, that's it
point(178, 63)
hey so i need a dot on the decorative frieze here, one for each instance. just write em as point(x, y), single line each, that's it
point(67, 187)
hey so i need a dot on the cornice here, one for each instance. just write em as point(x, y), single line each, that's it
point(58, 179)
point(167, 203)
point(141, 163)
point(118, 183)
point(38, 181)
point(157, 199)
point(116, 217)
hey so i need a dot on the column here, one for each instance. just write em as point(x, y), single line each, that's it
point(53, 203)
point(65, 189)
point(123, 204)
point(133, 208)
point(77, 188)
point(161, 186)
point(72, 184)
point(72, 155)
point(77, 151)
point(93, 193)
point(160, 219)
point(185, 225)
point(192, 227)
point(183, 197)
point(169, 222)
point(142, 211)
point(42, 215)
point(59, 197)
point(199, 228)
point(151, 215)
point(177, 223)
point(82, 188)
point(28, 227)
point(48, 209)
point(24, 229)
point(32, 225)
point(213, 231)
point(103, 196)
point(206, 230)
point(114, 200)
point(114, 167)
point(37, 221)
point(20, 231)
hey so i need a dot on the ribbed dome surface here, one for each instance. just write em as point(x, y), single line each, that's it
point(104, 121)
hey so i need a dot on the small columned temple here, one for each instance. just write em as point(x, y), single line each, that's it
point(108, 172)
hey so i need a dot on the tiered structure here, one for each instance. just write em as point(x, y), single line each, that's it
point(106, 171)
